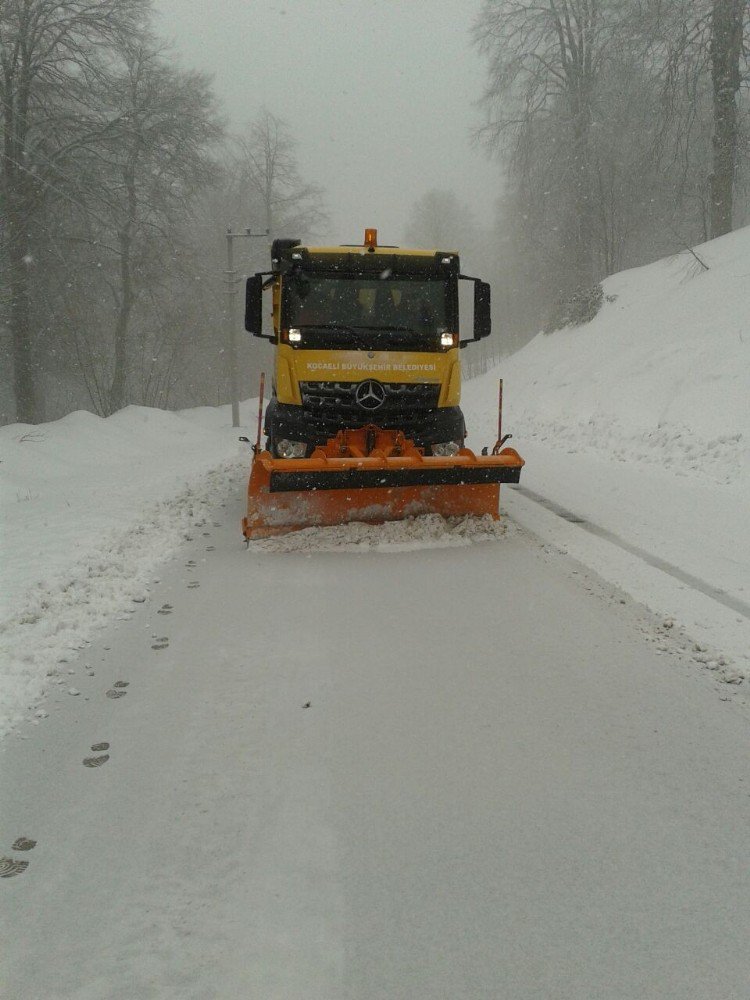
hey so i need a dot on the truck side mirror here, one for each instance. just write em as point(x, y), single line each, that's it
point(482, 317)
point(254, 305)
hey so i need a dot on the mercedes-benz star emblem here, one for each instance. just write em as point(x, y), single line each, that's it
point(370, 394)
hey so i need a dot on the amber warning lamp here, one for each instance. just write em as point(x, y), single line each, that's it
point(371, 238)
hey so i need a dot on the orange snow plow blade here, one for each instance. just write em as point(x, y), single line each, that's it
point(372, 475)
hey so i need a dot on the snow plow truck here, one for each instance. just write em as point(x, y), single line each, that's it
point(364, 422)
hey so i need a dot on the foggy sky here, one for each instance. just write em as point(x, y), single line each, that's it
point(378, 93)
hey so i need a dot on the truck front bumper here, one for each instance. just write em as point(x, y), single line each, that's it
point(423, 427)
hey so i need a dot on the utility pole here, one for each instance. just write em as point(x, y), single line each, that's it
point(231, 281)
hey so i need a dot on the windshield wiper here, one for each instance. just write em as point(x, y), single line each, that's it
point(355, 329)
point(325, 326)
point(387, 329)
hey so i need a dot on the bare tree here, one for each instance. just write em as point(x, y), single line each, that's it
point(545, 58)
point(726, 51)
point(620, 123)
point(700, 45)
point(438, 219)
point(266, 168)
point(153, 168)
point(51, 55)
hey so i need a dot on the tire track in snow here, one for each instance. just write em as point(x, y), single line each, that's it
point(733, 603)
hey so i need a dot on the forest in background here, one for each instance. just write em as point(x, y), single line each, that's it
point(622, 127)
point(619, 127)
point(119, 177)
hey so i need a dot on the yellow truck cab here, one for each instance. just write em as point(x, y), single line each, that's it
point(364, 335)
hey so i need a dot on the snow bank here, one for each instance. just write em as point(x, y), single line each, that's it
point(661, 376)
point(638, 423)
point(91, 507)
point(64, 484)
point(427, 531)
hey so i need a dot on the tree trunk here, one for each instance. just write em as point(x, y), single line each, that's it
point(19, 207)
point(726, 48)
point(117, 389)
point(27, 406)
point(583, 242)
point(126, 299)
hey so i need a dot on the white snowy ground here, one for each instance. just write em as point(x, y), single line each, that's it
point(91, 507)
point(637, 423)
point(470, 771)
point(452, 774)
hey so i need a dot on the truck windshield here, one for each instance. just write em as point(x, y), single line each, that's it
point(363, 312)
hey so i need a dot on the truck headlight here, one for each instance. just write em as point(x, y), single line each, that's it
point(291, 449)
point(445, 449)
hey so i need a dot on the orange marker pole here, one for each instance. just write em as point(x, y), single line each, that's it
point(260, 410)
point(500, 410)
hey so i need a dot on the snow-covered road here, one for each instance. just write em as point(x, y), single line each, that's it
point(378, 775)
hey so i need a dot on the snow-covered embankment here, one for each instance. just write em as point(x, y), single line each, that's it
point(639, 423)
point(90, 508)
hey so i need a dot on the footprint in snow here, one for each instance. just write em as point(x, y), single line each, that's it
point(161, 643)
point(97, 748)
point(10, 867)
point(210, 548)
point(112, 693)
point(193, 585)
point(165, 609)
point(24, 844)
point(96, 761)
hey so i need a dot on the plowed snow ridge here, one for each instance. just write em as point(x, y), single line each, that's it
point(427, 531)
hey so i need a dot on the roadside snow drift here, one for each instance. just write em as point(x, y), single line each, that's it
point(638, 425)
point(661, 376)
point(91, 508)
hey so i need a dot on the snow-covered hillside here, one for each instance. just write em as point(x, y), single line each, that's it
point(638, 423)
point(661, 376)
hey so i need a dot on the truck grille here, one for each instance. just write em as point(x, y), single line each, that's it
point(332, 406)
